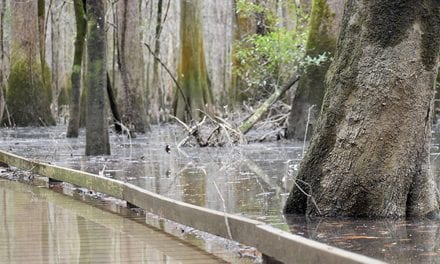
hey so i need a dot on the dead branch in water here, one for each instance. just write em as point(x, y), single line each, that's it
point(224, 132)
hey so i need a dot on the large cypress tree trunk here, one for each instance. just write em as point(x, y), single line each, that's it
point(370, 154)
point(74, 109)
point(97, 140)
point(324, 27)
point(192, 72)
point(28, 95)
point(130, 66)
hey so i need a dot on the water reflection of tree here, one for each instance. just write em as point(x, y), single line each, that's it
point(395, 241)
point(193, 184)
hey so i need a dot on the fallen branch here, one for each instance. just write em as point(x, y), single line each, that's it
point(223, 132)
point(250, 121)
point(193, 131)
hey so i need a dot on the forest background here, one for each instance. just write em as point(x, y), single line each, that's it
point(242, 51)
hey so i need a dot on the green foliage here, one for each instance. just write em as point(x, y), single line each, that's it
point(273, 56)
point(263, 62)
point(248, 8)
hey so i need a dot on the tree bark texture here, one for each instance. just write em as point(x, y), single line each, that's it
point(42, 36)
point(130, 64)
point(324, 26)
point(97, 139)
point(2, 97)
point(75, 78)
point(192, 71)
point(114, 106)
point(28, 95)
point(369, 156)
point(157, 104)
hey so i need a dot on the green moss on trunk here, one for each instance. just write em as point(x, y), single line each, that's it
point(192, 72)
point(389, 21)
point(97, 139)
point(75, 108)
point(27, 97)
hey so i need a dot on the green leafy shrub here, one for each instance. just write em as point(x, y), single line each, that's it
point(266, 61)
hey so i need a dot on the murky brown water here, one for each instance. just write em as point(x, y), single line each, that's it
point(42, 226)
point(254, 180)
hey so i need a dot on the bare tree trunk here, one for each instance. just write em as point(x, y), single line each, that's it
point(157, 100)
point(55, 50)
point(42, 37)
point(130, 66)
point(324, 27)
point(192, 72)
point(370, 154)
point(97, 139)
point(114, 106)
point(2, 61)
point(74, 109)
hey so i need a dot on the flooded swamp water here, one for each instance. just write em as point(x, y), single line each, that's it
point(247, 179)
point(43, 226)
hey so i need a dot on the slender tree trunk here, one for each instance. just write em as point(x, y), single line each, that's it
point(192, 72)
point(157, 100)
point(42, 37)
point(2, 98)
point(130, 66)
point(370, 154)
point(114, 106)
point(83, 96)
point(74, 109)
point(324, 27)
point(97, 139)
point(55, 50)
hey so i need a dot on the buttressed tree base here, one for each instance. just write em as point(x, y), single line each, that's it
point(370, 154)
